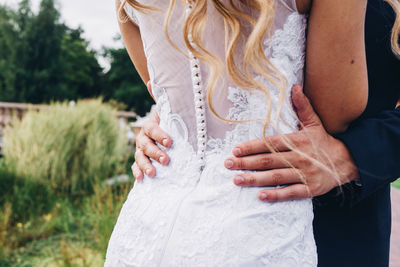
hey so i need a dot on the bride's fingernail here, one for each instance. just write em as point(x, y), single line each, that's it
point(229, 164)
point(263, 196)
point(237, 152)
point(165, 142)
point(148, 172)
point(239, 180)
point(162, 159)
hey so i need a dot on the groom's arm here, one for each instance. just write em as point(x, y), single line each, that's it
point(374, 144)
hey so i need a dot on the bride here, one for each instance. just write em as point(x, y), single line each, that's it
point(221, 72)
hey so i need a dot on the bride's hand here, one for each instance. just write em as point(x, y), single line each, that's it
point(255, 155)
point(146, 148)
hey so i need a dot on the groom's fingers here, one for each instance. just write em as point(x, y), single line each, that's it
point(304, 109)
point(268, 178)
point(291, 192)
point(257, 146)
point(264, 161)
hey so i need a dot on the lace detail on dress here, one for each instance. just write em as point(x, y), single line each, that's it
point(172, 123)
point(153, 217)
point(249, 111)
point(286, 50)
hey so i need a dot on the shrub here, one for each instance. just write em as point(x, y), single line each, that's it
point(71, 148)
point(26, 197)
point(101, 212)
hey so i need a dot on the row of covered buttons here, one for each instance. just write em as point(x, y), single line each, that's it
point(199, 100)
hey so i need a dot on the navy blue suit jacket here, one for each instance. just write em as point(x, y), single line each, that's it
point(352, 228)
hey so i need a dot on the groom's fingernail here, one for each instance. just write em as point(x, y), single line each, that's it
point(263, 196)
point(239, 180)
point(229, 164)
point(237, 152)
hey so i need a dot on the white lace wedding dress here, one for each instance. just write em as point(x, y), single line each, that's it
point(191, 213)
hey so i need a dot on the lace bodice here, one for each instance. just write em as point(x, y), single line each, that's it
point(179, 81)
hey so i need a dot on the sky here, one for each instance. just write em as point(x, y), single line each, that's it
point(96, 17)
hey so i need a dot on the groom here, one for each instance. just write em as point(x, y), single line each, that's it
point(351, 226)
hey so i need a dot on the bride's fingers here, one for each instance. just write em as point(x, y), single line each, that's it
point(264, 161)
point(153, 131)
point(154, 152)
point(137, 173)
point(144, 163)
point(291, 192)
point(149, 148)
point(268, 178)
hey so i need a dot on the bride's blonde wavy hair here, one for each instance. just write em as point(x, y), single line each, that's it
point(396, 28)
point(254, 59)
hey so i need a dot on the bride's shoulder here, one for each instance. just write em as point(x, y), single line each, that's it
point(130, 13)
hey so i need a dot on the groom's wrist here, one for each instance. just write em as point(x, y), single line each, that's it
point(346, 165)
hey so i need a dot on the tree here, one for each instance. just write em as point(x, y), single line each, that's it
point(125, 84)
point(42, 59)
point(41, 51)
point(8, 53)
point(82, 76)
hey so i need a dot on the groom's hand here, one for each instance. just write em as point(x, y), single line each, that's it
point(273, 170)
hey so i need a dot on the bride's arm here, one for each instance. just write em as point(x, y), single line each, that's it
point(336, 70)
point(133, 42)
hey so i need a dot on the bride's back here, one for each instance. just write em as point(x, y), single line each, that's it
point(179, 81)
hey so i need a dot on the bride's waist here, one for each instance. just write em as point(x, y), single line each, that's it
point(185, 168)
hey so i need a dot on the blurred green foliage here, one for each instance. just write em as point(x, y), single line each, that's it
point(44, 60)
point(397, 183)
point(123, 85)
point(70, 148)
point(21, 192)
point(39, 227)
point(55, 209)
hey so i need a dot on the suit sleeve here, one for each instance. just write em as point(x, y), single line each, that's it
point(375, 146)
